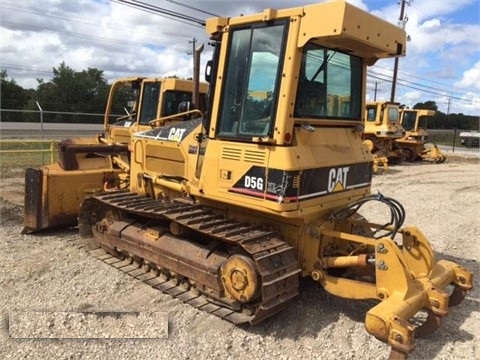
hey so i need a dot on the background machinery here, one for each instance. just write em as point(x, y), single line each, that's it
point(53, 193)
point(470, 138)
point(382, 129)
point(415, 145)
point(229, 211)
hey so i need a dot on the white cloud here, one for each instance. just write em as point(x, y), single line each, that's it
point(471, 77)
point(430, 26)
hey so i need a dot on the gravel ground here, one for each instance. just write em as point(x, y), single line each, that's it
point(51, 272)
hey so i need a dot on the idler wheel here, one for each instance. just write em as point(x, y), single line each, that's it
point(240, 278)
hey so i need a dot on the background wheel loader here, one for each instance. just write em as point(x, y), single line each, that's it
point(228, 212)
point(415, 145)
point(53, 193)
point(382, 129)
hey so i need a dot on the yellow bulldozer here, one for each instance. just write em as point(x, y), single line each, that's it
point(54, 192)
point(415, 145)
point(228, 212)
point(382, 129)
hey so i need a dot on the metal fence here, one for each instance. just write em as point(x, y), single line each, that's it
point(48, 131)
point(30, 137)
point(450, 141)
point(39, 116)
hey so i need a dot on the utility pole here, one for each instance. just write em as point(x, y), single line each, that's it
point(193, 42)
point(401, 23)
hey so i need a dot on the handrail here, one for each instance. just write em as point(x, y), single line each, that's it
point(51, 149)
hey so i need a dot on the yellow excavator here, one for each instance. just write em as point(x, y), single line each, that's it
point(382, 129)
point(228, 212)
point(415, 144)
point(53, 193)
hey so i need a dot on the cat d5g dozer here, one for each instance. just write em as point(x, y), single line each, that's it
point(415, 144)
point(54, 192)
point(228, 212)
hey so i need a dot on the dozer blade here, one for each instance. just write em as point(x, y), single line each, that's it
point(433, 153)
point(54, 192)
point(380, 164)
point(32, 218)
point(53, 195)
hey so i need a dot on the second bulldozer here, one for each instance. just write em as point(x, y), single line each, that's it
point(415, 145)
point(54, 192)
point(382, 129)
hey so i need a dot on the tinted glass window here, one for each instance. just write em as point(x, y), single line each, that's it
point(251, 81)
point(149, 106)
point(393, 114)
point(408, 121)
point(330, 84)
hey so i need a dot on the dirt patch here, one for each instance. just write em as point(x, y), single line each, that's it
point(12, 189)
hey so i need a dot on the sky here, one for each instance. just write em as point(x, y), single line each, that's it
point(442, 62)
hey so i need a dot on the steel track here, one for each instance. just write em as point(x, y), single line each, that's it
point(274, 258)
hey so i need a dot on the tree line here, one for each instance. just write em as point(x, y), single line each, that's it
point(448, 121)
point(69, 91)
point(87, 91)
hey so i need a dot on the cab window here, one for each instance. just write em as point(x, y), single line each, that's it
point(330, 84)
point(393, 114)
point(371, 114)
point(173, 99)
point(149, 108)
point(255, 60)
point(408, 121)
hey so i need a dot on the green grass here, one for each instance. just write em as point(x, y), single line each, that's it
point(22, 154)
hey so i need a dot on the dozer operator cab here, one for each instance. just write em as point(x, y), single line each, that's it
point(381, 129)
point(415, 143)
point(271, 83)
point(152, 102)
point(415, 120)
point(382, 119)
point(287, 104)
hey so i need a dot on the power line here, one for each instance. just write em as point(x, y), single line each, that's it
point(24, 68)
point(401, 82)
point(447, 86)
point(422, 85)
point(192, 8)
point(163, 12)
point(83, 20)
point(101, 39)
